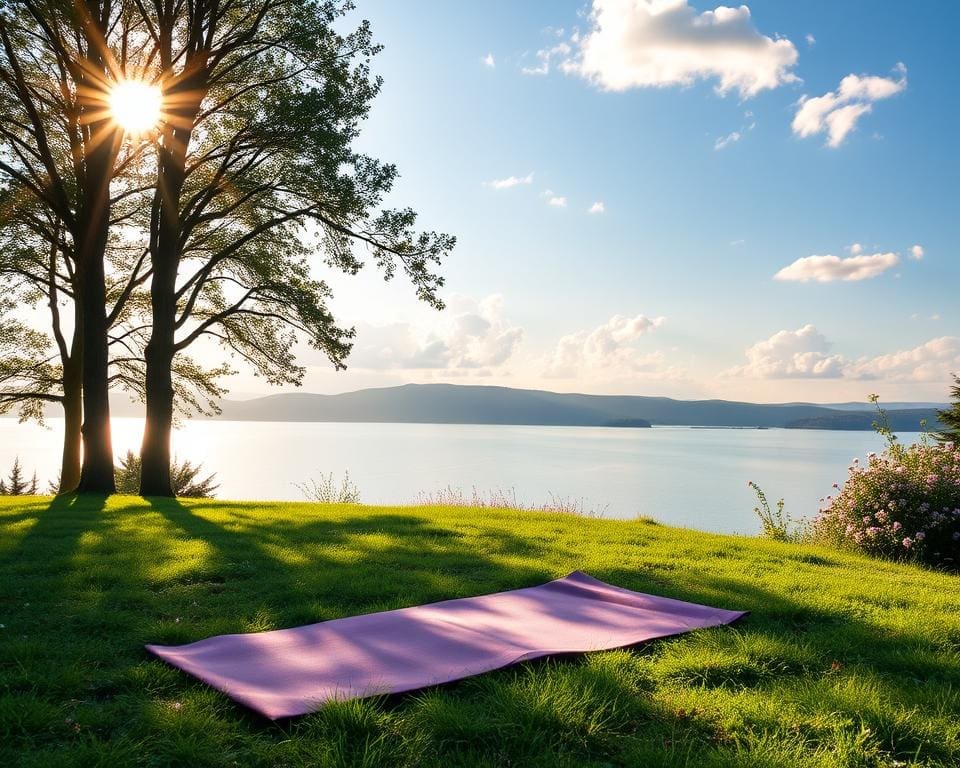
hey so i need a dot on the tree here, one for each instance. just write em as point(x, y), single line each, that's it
point(59, 147)
point(950, 417)
point(38, 368)
point(15, 484)
point(255, 170)
point(41, 106)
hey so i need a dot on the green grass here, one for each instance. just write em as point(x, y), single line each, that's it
point(844, 661)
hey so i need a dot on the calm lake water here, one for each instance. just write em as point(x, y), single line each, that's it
point(678, 475)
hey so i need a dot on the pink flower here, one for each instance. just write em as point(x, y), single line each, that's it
point(907, 543)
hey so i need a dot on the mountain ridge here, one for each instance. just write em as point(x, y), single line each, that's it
point(490, 404)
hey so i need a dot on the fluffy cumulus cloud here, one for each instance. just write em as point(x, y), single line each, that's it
point(930, 362)
point(800, 354)
point(510, 181)
point(916, 252)
point(488, 61)
point(828, 269)
point(806, 354)
point(658, 43)
point(597, 207)
point(607, 350)
point(836, 113)
point(473, 336)
point(557, 201)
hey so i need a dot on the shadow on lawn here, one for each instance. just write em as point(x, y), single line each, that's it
point(374, 560)
point(53, 537)
point(261, 574)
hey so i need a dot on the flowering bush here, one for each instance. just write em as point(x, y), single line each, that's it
point(903, 504)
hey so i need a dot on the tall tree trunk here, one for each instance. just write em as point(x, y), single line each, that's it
point(96, 473)
point(155, 450)
point(72, 421)
point(165, 259)
point(101, 144)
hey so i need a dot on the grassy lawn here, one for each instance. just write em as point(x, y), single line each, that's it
point(844, 661)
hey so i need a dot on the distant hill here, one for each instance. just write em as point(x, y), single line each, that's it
point(460, 404)
point(905, 420)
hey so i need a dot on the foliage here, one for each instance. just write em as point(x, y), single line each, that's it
point(257, 183)
point(30, 375)
point(843, 661)
point(184, 476)
point(326, 491)
point(903, 504)
point(950, 417)
point(17, 484)
point(776, 524)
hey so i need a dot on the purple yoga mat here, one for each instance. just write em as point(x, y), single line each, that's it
point(289, 672)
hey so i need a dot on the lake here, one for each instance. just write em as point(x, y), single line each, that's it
point(678, 475)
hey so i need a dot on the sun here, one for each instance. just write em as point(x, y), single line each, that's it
point(135, 105)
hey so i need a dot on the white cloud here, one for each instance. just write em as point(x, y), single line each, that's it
point(811, 40)
point(658, 43)
point(545, 57)
point(725, 141)
point(800, 354)
point(827, 269)
point(855, 249)
point(471, 335)
point(806, 354)
point(510, 181)
point(606, 350)
point(836, 113)
point(733, 137)
point(558, 201)
point(932, 361)
point(597, 207)
point(916, 252)
point(489, 61)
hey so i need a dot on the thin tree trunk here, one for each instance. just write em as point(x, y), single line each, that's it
point(73, 421)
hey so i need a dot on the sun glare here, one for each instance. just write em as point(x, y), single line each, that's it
point(135, 105)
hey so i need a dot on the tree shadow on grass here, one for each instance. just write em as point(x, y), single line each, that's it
point(374, 560)
point(52, 539)
point(173, 572)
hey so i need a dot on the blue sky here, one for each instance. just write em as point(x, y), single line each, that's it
point(725, 146)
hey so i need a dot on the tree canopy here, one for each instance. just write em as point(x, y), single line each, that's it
point(217, 223)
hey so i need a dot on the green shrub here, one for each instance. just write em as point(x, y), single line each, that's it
point(184, 476)
point(326, 491)
point(776, 525)
point(903, 504)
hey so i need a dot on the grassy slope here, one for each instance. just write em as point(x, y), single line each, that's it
point(844, 661)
